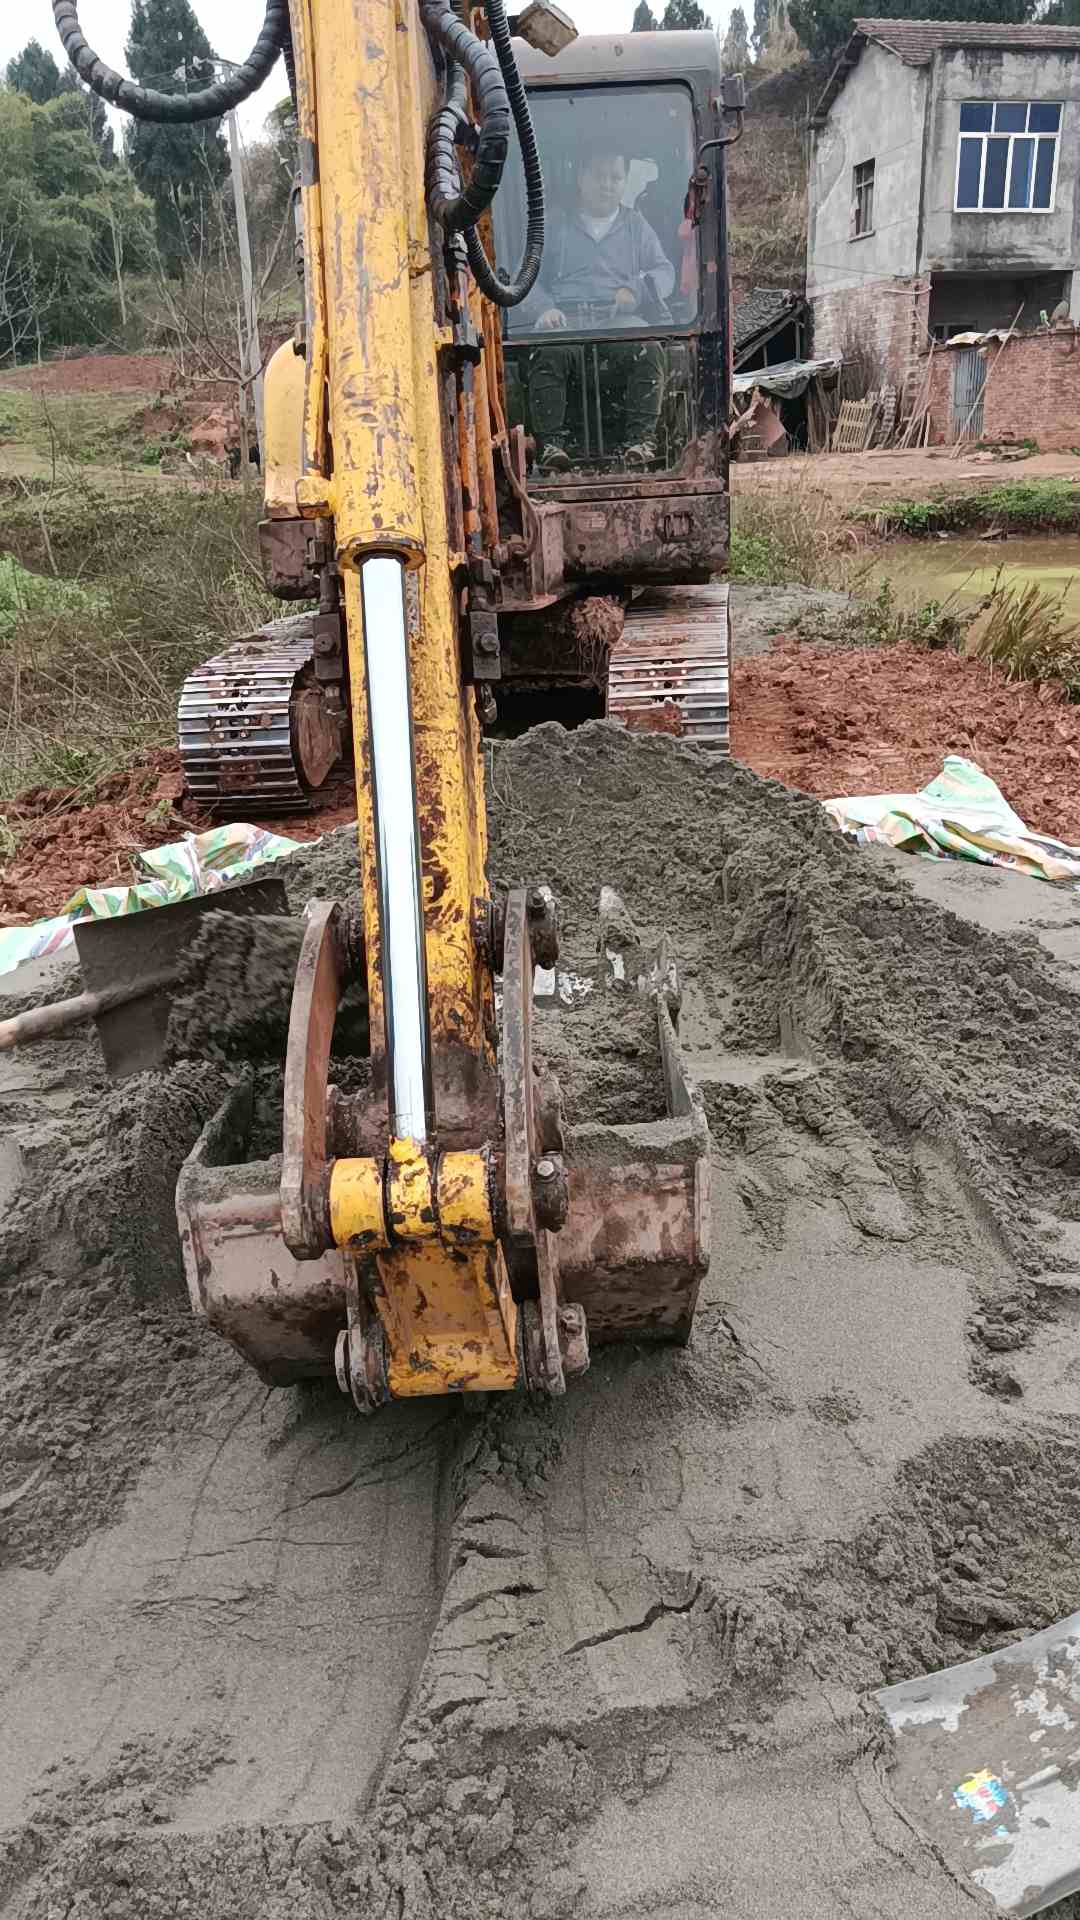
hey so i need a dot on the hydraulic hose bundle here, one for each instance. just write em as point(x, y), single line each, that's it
point(177, 109)
point(497, 92)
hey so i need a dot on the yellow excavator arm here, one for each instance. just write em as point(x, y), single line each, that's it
point(440, 1230)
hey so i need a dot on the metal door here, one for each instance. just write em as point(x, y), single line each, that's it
point(968, 381)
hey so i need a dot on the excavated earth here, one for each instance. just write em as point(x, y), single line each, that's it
point(610, 1656)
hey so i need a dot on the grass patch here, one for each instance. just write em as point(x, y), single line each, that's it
point(103, 429)
point(1024, 632)
point(792, 537)
point(23, 592)
point(1029, 506)
point(93, 654)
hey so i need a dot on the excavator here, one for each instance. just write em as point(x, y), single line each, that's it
point(592, 565)
point(440, 1229)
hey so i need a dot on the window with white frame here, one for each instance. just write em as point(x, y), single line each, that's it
point(862, 199)
point(1007, 157)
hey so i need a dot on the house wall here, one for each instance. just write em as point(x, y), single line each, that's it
point(1032, 391)
point(877, 115)
point(888, 316)
point(863, 286)
point(1004, 243)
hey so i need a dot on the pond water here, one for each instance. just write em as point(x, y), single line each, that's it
point(966, 567)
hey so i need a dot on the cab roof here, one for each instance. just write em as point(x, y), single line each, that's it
point(594, 58)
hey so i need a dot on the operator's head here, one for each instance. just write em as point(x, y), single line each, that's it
point(601, 181)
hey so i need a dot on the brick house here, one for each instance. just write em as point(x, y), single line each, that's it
point(943, 192)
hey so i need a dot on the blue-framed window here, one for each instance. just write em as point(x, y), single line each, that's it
point(1007, 156)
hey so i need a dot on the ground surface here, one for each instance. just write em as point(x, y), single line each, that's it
point(873, 720)
point(611, 1656)
point(889, 473)
point(825, 719)
point(93, 373)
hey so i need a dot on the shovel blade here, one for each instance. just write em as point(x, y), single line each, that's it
point(137, 948)
point(988, 1766)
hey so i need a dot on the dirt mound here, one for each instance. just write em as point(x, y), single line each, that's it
point(65, 838)
point(592, 1656)
point(97, 373)
point(871, 721)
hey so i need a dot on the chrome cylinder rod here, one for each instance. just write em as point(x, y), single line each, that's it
point(397, 848)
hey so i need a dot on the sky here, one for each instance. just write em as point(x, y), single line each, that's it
point(231, 29)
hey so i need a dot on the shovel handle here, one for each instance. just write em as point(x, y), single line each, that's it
point(38, 1022)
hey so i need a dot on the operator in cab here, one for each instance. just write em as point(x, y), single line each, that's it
point(603, 267)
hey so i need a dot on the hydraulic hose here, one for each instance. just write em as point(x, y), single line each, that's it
point(498, 93)
point(510, 293)
point(177, 109)
point(458, 207)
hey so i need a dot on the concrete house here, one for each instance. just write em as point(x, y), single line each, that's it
point(943, 186)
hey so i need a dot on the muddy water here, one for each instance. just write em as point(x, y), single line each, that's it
point(966, 567)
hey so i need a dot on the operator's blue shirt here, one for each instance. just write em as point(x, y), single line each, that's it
point(579, 271)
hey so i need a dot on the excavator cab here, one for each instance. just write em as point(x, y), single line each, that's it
point(616, 362)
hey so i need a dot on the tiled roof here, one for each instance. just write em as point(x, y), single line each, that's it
point(916, 41)
point(761, 309)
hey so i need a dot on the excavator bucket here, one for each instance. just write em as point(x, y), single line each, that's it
point(988, 1766)
point(603, 1230)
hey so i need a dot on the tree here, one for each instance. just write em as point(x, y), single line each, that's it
point(644, 18)
point(824, 25)
point(178, 167)
point(91, 114)
point(684, 14)
point(735, 53)
point(35, 73)
point(762, 20)
point(68, 226)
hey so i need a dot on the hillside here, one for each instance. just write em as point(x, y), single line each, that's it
point(767, 179)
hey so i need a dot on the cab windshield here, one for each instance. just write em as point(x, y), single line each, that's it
point(620, 264)
point(618, 251)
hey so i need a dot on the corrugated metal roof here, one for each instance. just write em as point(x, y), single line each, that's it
point(915, 42)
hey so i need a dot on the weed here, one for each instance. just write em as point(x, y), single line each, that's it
point(22, 592)
point(91, 663)
point(755, 558)
point(796, 536)
point(1023, 630)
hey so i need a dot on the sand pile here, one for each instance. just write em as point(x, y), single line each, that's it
point(609, 1655)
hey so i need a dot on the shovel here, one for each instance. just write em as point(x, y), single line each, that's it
point(987, 1766)
point(130, 967)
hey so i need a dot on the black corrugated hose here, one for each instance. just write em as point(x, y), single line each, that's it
point(179, 109)
point(498, 92)
point(458, 207)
